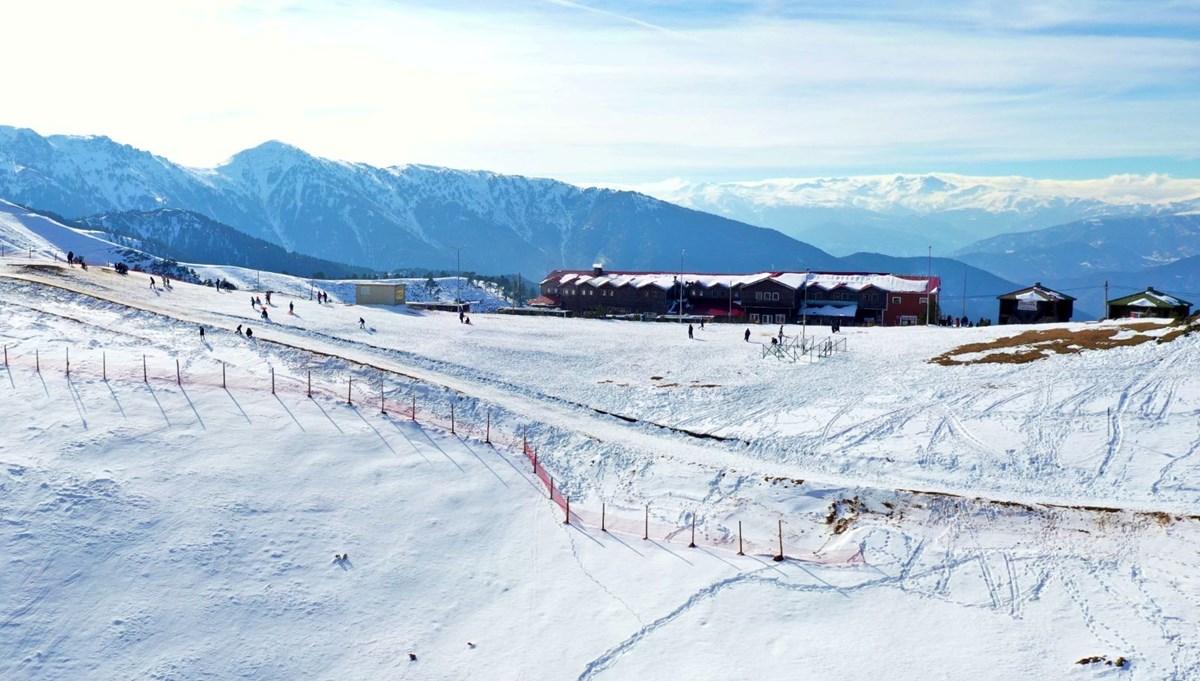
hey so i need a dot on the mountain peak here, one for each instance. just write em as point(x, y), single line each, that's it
point(270, 153)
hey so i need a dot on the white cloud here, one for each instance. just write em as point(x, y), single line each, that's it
point(579, 91)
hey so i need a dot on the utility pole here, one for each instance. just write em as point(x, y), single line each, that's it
point(964, 291)
point(929, 293)
point(681, 252)
point(1106, 299)
point(458, 264)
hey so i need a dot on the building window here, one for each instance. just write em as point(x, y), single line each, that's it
point(753, 318)
point(924, 301)
point(895, 300)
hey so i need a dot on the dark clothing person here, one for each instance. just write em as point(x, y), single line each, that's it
point(689, 332)
point(151, 282)
point(253, 302)
point(291, 308)
point(249, 333)
point(202, 333)
point(264, 313)
point(747, 335)
point(239, 329)
point(362, 323)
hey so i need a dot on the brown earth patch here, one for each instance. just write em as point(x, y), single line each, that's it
point(1031, 346)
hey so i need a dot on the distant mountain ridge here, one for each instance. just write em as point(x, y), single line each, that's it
point(190, 237)
point(387, 218)
point(905, 214)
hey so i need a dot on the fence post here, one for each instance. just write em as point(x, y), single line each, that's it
point(780, 556)
point(551, 477)
point(37, 360)
point(602, 528)
point(68, 361)
point(349, 387)
point(222, 374)
point(178, 376)
point(488, 438)
point(452, 418)
point(145, 376)
point(103, 366)
point(646, 531)
point(272, 380)
point(740, 553)
point(5, 354)
point(310, 382)
point(567, 517)
point(414, 405)
point(692, 545)
point(382, 404)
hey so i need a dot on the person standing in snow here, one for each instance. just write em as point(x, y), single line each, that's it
point(71, 257)
point(747, 335)
point(239, 329)
point(291, 308)
point(249, 333)
point(264, 314)
point(253, 303)
point(202, 334)
point(689, 332)
point(362, 323)
point(151, 282)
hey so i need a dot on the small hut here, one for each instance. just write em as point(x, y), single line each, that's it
point(1035, 305)
point(1148, 303)
point(379, 294)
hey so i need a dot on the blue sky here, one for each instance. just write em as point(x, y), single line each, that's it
point(619, 91)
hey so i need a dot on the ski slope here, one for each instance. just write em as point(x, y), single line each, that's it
point(187, 531)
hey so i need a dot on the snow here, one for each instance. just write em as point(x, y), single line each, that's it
point(935, 518)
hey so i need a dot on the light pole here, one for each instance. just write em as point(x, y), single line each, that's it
point(928, 292)
point(681, 252)
point(458, 264)
point(804, 309)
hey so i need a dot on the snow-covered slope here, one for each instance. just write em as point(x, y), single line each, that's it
point(188, 530)
point(903, 214)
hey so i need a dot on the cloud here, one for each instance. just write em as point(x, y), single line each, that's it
point(608, 90)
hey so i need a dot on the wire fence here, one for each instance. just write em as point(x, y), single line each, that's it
point(650, 522)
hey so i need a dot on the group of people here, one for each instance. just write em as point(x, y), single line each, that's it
point(73, 260)
point(165, 282)
point(463, 318)
point(959, 322)
point(322, 297)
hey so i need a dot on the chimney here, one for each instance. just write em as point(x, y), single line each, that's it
point(597, 270)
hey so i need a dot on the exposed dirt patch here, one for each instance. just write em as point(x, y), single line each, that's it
point(1033, 345)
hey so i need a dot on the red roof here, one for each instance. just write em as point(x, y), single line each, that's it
point(544, 301)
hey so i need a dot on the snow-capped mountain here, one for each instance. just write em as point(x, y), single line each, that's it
point(905, 214)
point(387, 218)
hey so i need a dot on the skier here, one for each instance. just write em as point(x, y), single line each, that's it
point(362, 323)
point(239, 329)
point(461, 316)
point(264, 313)
point(291, 308)
point(253, 303)
point(268, 297)
point(701, 324)
point(689, 332)
point(202, 334)
point(70, 257)
point(747, 335)
point(151, 282)
point(249, 333)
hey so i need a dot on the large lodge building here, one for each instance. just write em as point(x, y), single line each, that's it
point(851, 298)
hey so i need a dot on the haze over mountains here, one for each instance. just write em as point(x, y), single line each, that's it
point(311, 214)
point(905, 214)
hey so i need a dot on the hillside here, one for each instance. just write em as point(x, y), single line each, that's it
point(389, 218)
point(191, 237)
point(182, 530)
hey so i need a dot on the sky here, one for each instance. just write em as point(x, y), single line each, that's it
point(623, 91)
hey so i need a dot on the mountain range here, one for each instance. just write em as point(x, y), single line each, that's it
point(909, 214)
point(388, 218)
point(277, 207)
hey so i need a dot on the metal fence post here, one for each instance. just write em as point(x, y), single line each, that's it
point(780, 556)
point(178, 376)
point(349, 387)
